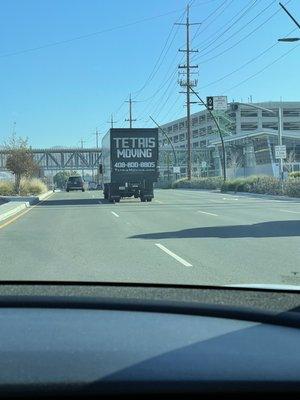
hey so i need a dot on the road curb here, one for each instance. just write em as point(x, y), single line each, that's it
point(18, 206)
point(14, 206)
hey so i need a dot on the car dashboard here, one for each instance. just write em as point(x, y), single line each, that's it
point(88, 347)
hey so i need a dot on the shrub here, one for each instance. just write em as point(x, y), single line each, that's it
point(254, 184)
point(32, 186)
point(292, 187)
point(295, 174)
point(6, 188)
point(267, 185)
point(199, 183)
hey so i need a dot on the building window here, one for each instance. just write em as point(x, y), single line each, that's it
point(248, 113)
point(195, 121)
point(203, 143)
point(182, 137)
point(195, 144)
point(170, 128)
point(181, 125)
point(175, 138)
point(175, 128)
point(248, 127)
point(202, 132)
point(201, 119)
point(195, 133)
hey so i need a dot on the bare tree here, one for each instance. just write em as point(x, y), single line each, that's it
point(20, 159)
point(234, 160)
point(290, 160)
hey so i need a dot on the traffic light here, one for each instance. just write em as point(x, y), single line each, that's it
point(210, 103)
point(234, 106)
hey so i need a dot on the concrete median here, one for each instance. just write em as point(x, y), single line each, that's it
point(15, 204)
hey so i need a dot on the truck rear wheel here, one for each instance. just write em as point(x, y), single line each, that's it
point(143, 199)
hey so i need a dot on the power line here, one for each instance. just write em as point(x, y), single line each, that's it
point(160, 58)
point(160, 106)
point(245, 64)
point(57, 43)
point(255, 2)
point(263, 69)
point(199, 32)
point(158, 102)
point(242, 39)
point(207, 18)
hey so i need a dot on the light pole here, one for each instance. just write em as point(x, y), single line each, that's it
point(279, 127)
point(292, 39)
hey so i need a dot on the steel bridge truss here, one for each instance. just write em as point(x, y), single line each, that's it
point(61, 159)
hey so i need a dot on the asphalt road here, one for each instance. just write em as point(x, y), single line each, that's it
point(182, 237)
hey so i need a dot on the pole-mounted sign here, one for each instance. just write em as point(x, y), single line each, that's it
point(216, 103)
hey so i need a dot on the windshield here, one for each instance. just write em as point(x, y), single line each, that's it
point(150, 142)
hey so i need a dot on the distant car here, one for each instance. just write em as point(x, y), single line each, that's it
point(99, 186)
point(75, 183)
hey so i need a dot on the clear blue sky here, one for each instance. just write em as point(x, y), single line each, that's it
point(60, 93)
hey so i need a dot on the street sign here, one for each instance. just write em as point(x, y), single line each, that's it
point(217, 103)
point(176, 170)
point(280, 151)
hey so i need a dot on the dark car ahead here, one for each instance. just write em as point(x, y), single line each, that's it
point(75, 183)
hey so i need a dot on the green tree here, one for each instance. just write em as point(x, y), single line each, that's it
point(20, 159)
point(61, 178)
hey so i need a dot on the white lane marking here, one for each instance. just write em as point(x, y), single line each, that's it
point(208, 213)
point(115, 214)
point(170, 253)
point(226, 198)
point(158, 201)
point(100, 202)
point(293, 212)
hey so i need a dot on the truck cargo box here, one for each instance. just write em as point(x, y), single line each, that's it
point(129, 162)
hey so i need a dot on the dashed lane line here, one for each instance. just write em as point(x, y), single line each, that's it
point(115, 214)
point(170, 253)
point(208, 213)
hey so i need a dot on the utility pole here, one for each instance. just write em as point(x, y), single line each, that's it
point(82, 141)
point(187, 84)
point(130, 119)
point(111, 122)
point(97, 138)
point(280, 127)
